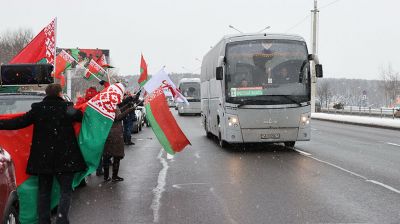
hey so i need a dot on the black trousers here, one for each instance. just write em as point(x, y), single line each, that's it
point(45, 186)
point(107, 163)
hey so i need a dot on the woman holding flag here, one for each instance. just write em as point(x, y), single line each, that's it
point(54, 151)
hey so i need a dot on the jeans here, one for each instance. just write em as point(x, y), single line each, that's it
point(127, 131)
point(45, 187)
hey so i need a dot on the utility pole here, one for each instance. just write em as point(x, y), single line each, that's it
point(315, 12)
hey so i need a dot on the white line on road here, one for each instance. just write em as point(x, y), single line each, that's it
point(157, 192)
point(301, 152)
point(389, 143)
point(356, 174)
point(197, 155)
point(384, 185)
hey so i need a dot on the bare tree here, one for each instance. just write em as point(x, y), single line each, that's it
point(391, 83)
point(324, 92)
point(12, 42)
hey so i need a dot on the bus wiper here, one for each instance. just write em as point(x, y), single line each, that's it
point(246, 102)
point(291, 99)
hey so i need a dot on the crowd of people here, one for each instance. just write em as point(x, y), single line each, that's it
point(55, 151)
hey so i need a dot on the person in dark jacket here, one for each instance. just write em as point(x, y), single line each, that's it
point(114, 146)
point(54, 151)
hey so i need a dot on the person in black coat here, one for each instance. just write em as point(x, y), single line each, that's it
point(54, 151)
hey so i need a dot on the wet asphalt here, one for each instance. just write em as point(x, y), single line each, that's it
point(345, 174)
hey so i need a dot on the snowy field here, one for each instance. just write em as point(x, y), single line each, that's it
point(371, 121)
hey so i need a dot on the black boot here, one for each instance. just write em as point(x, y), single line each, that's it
point(107, 174)
point(106, 167)
point(115, 176)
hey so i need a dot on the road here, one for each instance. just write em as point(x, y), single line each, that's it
point(345, 174)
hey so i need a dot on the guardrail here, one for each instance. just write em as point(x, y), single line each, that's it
point(364, 111)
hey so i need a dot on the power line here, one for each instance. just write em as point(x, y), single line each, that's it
point(297, 24)
point(329, 4)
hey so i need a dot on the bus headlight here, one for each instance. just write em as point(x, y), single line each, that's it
point(305, 119)
point(233, 120)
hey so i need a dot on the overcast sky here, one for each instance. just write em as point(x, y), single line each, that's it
point(356, 38)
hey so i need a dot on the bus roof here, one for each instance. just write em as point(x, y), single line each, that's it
point(254, 36)
point(189, 80)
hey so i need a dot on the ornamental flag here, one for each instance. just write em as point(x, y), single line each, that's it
point(163, 123)
point(42, 49)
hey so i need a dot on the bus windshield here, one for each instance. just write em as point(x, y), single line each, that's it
point(191, 90)
point(267, 72)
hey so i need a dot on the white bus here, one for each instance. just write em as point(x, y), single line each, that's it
point(190, 88)
point(256, 88)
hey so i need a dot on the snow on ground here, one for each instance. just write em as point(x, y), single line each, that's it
point(373, 121)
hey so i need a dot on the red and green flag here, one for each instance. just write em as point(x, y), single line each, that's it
point(163, 123)
point(94, 69)
point(42, 49)
point(92, 134)
point(63, 61)
point(102, 61)
point(143, 72)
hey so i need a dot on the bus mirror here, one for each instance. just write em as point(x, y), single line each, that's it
point(219, 73)
point(318, 71)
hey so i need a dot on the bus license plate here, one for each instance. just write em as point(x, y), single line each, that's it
point(270, 136)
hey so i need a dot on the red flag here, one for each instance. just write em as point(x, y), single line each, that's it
point(143, 72)
point(41, 49)
point(163, 123)
point(94, 69)
point(63, 61)
point(102, 61)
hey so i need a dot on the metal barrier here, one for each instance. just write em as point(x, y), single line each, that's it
point(364, 111)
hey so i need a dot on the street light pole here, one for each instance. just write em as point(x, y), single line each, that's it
point(315, 12)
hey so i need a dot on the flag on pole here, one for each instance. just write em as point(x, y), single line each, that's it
point(161, 78)
point(102, 61)
point(143, 72)
point(94, 69)
point(163, 123)
point(63, 61)
point(92, 134)
point(42, 49)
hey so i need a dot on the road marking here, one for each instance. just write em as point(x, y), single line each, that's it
point(356, 174)
point(169, 157)
point(384, 185)
point(159, 189)
point(389, 143)
point(301, 152)
point(314, 129)
point(197, 155)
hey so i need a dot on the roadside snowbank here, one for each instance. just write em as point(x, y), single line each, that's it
point(359, 120)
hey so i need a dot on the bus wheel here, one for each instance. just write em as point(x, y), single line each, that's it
point(290, 144)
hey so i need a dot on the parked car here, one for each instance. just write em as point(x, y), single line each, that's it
point(8, 190)
point(397, 112)
point(144, 118)
point(138, 124)
point(338, 106)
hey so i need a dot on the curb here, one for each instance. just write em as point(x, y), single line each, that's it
point(359, 124)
